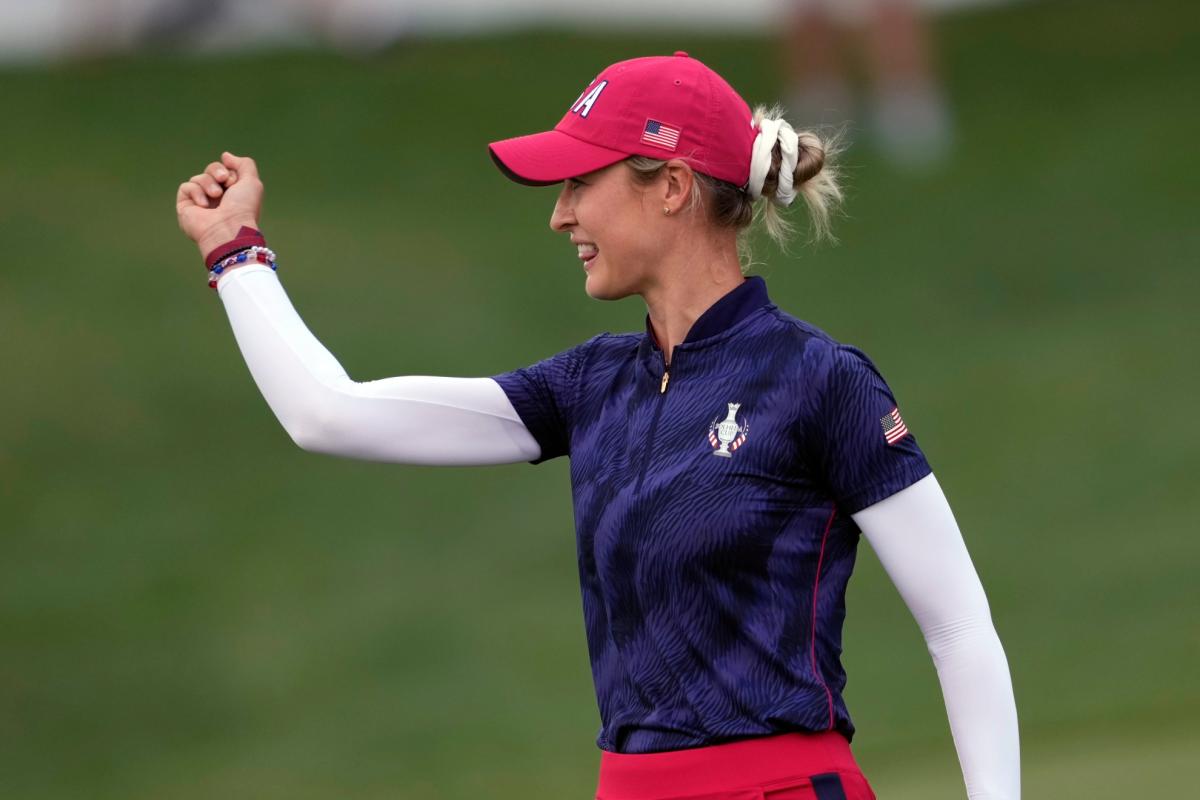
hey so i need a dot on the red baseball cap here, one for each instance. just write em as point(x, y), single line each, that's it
point(657, 106)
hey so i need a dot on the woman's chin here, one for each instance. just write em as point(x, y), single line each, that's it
point(600, 286)
point(593, 284)
point(598, 289)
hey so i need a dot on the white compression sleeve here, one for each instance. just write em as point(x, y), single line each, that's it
point(920, 546)
point(413, 419)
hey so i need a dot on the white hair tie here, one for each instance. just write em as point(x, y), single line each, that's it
point(769, 132)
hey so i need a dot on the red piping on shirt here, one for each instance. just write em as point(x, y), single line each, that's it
point(816, 584)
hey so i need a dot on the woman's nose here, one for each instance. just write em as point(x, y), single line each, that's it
point(563, 215)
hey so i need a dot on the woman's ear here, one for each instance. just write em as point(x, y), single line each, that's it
point(677, 191)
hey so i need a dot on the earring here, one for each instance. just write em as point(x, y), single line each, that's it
point(666, 209)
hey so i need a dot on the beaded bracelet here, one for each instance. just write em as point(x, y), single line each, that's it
point(263, 255)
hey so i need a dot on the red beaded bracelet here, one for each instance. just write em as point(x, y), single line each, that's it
point(263, 255)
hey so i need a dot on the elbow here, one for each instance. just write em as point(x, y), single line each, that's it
point(964, 621)
point(965, 633)
point(311, 430)
point(317, 417)
point(305, 435)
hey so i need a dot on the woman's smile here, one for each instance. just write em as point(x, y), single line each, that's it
point(587, 252)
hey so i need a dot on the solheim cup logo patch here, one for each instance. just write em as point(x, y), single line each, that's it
point(728, 434)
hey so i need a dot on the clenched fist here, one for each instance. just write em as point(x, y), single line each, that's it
point(213, 205)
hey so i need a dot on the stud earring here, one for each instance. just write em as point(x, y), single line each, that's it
point(666, 210)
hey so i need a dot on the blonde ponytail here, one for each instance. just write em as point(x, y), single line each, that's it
point(815, 178)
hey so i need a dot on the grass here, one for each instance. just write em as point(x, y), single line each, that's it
point(192, 607)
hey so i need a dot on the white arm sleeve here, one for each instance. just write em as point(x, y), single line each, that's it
point(413, 419)
point(919, 544)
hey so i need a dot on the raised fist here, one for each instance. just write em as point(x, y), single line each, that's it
point(213, 205)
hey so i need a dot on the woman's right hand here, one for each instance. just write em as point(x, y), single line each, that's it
point(213, 205)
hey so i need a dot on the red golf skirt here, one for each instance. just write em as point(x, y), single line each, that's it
point(786, 766)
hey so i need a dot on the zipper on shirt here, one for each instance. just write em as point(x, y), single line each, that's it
point(662, 389)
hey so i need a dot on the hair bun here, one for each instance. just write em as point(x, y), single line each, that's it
point(808, 161)
point(811, 159)
point(788, 164)
point(775, 149)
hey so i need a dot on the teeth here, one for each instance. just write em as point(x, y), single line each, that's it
point(587, 249)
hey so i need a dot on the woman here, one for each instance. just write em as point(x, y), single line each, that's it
point(723, 462)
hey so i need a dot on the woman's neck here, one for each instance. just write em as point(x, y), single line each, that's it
point(686, 289)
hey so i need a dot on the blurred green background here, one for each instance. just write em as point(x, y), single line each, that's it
point(192, 607)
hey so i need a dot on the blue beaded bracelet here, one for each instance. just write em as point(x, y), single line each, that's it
point(263, 255)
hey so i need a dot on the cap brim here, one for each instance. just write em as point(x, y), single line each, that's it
point(541, 159)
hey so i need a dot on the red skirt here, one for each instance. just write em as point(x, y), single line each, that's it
point(787, 766)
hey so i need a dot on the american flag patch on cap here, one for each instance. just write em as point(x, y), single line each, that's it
point(894, 428)
point(656, 133)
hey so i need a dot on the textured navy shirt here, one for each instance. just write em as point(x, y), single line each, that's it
point(712, 515)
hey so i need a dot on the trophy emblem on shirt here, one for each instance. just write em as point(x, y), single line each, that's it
point(727, 434)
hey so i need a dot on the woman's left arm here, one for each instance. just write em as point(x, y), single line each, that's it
point(920, 546)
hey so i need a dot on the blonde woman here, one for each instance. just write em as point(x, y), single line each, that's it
point(724, 460)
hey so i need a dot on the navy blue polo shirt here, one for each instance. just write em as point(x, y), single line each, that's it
point(712, 515)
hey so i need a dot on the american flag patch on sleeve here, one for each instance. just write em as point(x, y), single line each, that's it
point(656, 133)
point(894, 428)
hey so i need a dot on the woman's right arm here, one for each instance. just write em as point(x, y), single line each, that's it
point(413, 419)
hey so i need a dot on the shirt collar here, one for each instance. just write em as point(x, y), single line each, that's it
point(734, 306)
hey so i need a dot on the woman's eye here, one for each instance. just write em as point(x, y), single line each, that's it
point(575, 183)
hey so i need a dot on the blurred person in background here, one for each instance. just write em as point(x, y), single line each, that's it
point(89, 29)
point(354, 27)
point(94, 29)
point(908, 119)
